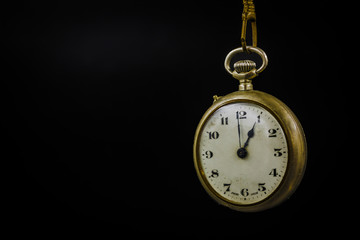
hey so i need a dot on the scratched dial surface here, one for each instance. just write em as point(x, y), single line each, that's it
point(243, 153)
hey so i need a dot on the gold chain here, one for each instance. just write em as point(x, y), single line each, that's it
point(248, 15)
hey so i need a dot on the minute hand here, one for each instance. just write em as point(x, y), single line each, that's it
point(250, 135)
point(238, 124)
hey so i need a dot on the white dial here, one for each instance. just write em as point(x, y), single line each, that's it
point(243, 152)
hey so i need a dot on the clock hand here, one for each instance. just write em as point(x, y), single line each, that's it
point(241, 152)
point(250, 135)
point(238, 123)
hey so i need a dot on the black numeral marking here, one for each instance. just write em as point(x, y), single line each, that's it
point(273, 172)
point(244, 192)
point(227, 186)
point(214, 173)
point(261, 188)
point(224, 120)
point(277, 152)
point(272, 132)
point(241, 115)
point(213, 135)
point(209, 154)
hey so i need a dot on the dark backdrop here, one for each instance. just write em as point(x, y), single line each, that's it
point(102, 100)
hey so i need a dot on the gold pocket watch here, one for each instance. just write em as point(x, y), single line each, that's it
point(249, 148)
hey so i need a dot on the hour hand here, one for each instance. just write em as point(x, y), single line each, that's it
point(250, 135)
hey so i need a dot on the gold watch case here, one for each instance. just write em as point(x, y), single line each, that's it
point(297, 148)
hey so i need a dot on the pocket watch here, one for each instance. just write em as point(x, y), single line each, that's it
point(249, 148)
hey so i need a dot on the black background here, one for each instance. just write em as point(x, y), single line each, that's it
point(102, 100)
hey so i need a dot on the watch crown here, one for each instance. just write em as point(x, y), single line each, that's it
point(246, 69)
point(244, 66)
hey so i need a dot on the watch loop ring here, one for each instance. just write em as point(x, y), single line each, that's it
point(256, 50)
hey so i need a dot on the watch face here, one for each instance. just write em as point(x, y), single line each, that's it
point(243, 153)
